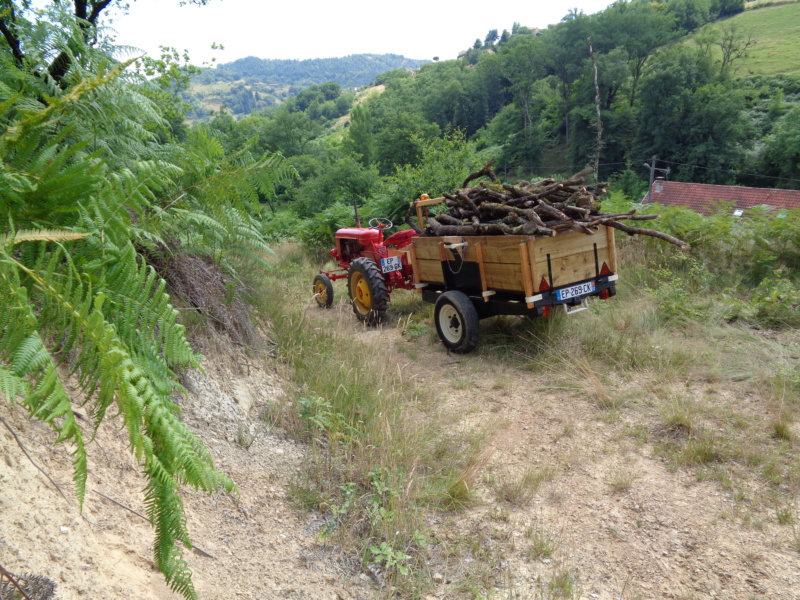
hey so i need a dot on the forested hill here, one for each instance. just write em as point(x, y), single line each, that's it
point(254, 83)
point(355, 70)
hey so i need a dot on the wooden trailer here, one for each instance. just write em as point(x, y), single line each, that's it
point(474, 277)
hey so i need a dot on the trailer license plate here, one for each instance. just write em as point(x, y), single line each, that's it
point(575, 290)
point(392, 263)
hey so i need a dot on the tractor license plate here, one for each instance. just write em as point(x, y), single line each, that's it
point(390, 264)
point(575, 291)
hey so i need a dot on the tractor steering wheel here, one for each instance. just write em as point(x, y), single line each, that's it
point(380, 223)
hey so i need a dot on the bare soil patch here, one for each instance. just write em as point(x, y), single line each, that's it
point(573, 500)
point(254, 545)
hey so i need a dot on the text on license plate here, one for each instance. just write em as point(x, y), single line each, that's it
point(574, 291)
point(392, 263)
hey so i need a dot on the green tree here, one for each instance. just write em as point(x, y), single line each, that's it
point(360, 138)
point(444, 164)
point(689, 14)
point(639, 28)
point(689, 117)
point(88, 190)
point(524, 64)
point(782, 146)
point(335, 180)
point(565, 51)
point(166, 78)
point(399, 139)
point(726, 8)
point(290, 132)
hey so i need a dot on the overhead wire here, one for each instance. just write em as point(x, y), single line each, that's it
point(556, 168)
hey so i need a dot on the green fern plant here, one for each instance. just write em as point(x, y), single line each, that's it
point(79, 300)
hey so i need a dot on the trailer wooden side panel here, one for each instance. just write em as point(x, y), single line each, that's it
point(561, 260)
point(570, 257)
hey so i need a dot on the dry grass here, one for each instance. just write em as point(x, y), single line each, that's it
point(711, 399)
point(521, 490)
point(620, 479)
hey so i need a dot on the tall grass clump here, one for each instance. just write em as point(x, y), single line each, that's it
point(375, 461)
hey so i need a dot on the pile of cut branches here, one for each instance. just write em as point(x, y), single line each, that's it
point(542, 208)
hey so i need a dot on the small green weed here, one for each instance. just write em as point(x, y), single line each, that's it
point(417, 330)
point(391, 559)
point(244, 438)
point(564, 585)
point(543, 540)
point(679, 416)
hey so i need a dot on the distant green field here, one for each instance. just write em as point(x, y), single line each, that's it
point(776, 29)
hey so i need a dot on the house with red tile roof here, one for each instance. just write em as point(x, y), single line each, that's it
point(703, 198)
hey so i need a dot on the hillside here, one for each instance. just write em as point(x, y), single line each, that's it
point(251, 83)
point(775, 30)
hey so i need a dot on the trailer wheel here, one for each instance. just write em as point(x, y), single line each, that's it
point(457, 322)
point(367, 291)
point(323, 291)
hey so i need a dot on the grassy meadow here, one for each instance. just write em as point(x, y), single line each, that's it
point(775, 27)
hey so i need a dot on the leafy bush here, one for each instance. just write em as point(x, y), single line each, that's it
point(444, 165)
point(774, 303)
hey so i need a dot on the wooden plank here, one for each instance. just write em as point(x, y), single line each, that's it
point(505, 277)
point(570, 243)
point(612, 249)
point(425, 201)
point(527, 272)
point(572, 268)
point(481, 269)
point(497, 248)
point(498, 277)
point(412, 258)
point(430, 271)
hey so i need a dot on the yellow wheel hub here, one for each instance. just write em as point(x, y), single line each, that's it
point(321, 292)
point(361, 293)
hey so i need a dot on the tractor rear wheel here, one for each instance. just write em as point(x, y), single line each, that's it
point(323, 291)
point(457, 322)
point(367, 291)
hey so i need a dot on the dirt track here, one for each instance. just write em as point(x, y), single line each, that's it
point(609, 518)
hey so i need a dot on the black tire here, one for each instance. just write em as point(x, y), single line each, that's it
point(367, 291)
point(457, 322)
point(323, 291)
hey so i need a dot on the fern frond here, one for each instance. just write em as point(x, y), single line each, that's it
point(41, 235)
point(113, 372)
point(83, 182)
point(32, 370)
point(11, 385)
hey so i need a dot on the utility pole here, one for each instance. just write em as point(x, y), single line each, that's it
point(653, 168)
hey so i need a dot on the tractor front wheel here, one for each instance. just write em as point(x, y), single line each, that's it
point(367, 291)
point(457, 322)
point(323, 291)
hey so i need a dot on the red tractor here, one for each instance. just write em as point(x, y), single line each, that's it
point(373, 267)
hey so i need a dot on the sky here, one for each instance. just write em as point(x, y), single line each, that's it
point(302, 29)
